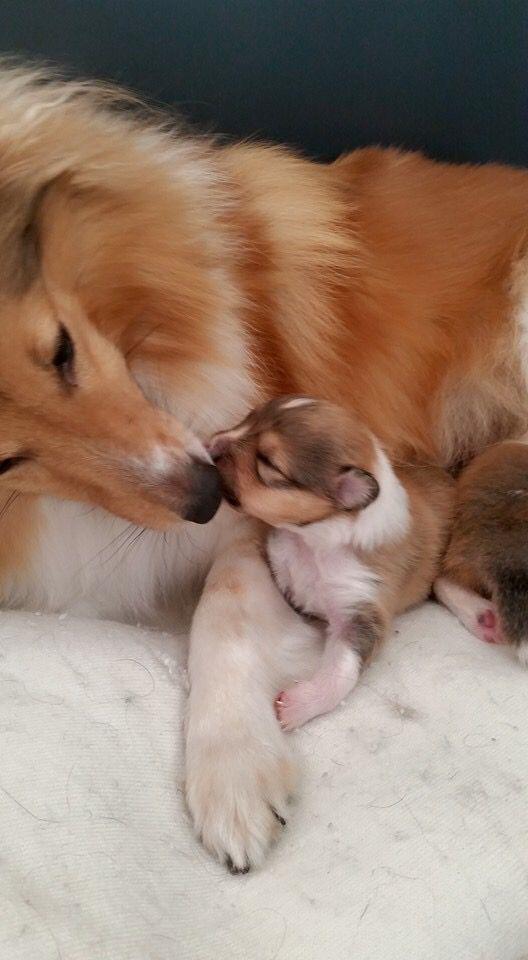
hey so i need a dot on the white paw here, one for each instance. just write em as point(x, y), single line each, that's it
point(237, 793)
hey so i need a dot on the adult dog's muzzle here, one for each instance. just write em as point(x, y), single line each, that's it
point(205, 493)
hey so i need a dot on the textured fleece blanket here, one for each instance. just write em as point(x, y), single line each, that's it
point(409, 840)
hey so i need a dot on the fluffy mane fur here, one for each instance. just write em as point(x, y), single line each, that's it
point(192, 279)
point(384, 279)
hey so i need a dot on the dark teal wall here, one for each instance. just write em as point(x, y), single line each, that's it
point(449, 76)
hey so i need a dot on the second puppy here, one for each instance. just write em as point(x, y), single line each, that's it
point(485, 570)
point(354, 540)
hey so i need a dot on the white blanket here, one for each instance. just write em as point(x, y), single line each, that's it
point(409, 840)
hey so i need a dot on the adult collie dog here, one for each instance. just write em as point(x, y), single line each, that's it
point(154, 286)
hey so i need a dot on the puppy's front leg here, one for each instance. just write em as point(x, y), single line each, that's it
point(239, 771)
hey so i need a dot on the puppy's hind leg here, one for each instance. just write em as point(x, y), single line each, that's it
point(477, 614)
point(346, 650)
point(511, 596)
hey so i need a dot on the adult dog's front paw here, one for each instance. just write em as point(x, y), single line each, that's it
point(237, 794)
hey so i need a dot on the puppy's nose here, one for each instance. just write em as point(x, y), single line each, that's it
point(204, 494)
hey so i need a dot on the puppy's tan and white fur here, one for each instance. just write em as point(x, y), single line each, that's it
point(485, 569)
point(355, 541)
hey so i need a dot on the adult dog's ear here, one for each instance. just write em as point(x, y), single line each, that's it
point(19, 237)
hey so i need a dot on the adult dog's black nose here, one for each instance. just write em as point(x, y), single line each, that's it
point(204, 494)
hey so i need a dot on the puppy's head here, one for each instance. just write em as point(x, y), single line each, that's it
point(296, 461)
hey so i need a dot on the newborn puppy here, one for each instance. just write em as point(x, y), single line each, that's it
point(485, 582)
point(354, 540)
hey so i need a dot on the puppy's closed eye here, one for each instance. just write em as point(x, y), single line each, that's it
point(268, 473)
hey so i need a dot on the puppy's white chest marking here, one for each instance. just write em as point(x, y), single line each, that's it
point(317, 565)
point(326, 580)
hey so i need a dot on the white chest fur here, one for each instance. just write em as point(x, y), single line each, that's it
point(321, 578)
point(93, 564)
point(317, 566)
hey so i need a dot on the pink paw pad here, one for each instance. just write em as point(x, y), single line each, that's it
point(487, 619)
point(291, 711)
point(489, 628)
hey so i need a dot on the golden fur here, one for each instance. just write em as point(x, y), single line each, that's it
point(195, 280)
point(383, 281)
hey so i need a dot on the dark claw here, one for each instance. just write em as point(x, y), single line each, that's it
point(233, 869)
point(278, 817)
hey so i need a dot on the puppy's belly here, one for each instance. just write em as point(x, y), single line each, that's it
point(327, 584)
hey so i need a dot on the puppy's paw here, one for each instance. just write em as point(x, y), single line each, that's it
point(487, 626)
point(296, 706)
point(238, 795)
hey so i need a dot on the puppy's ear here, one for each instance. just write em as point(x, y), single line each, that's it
point(355, 489)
